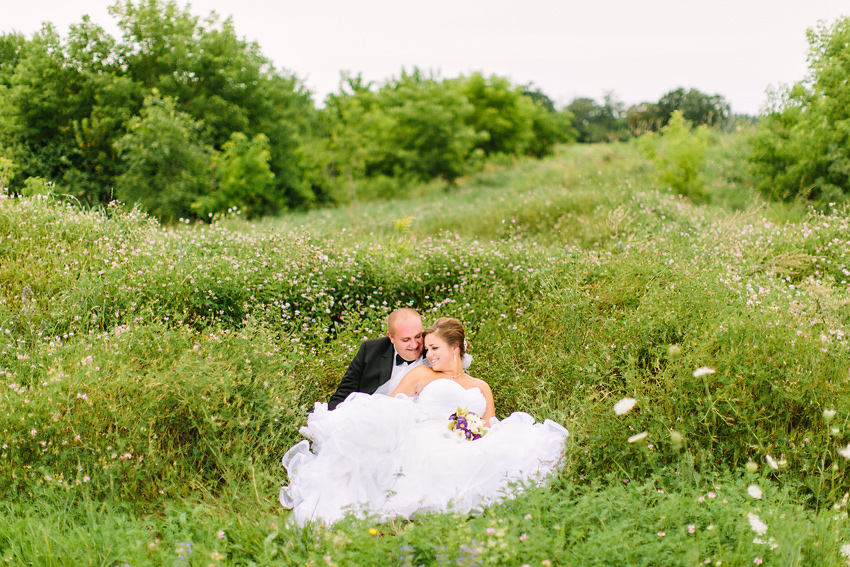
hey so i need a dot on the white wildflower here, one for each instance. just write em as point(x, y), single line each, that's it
point(624, 406)
point(771, 461)
point(845, 452)
point(756, 524)
point(703, 370)
point(754, 491)
point(828, 414)
point(638, 436)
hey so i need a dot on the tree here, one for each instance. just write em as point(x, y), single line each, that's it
point(598, 123)
point(223, 82)
point(166, 162)
point(696, 107)
point(500, 113)
point(411, 128)
point(802, 145)
point(243, 179)
point(64, 104)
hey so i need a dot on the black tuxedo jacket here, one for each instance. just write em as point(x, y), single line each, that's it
point(371, 367)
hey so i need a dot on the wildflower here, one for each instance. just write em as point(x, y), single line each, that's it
point(86, 478)
point(754, 491)
point(772, 462)
point(546, 562)
point(756, 524)
point(702, 371)
point(712, 495)
point(637, 437)
point(490, 531)
point(527, 516)
point(845, 550)
point(751, 467)
point(692, 528)
point(523, 537)
point(674, 351)
point(757, 560)
point(373, 531)
point(828, 414)
point(216, 556)
point(662, 534)
point(624, 406)
point(845, 452)
point(220, 534)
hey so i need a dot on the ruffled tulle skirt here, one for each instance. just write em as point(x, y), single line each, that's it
point(381, 456)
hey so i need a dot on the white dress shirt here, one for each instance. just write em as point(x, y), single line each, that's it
point(399, 371)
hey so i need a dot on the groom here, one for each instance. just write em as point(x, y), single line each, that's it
point(380, 364)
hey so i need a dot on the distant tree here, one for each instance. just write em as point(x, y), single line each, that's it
point(500, 112)
point(598, 123)
point(549, 125)
point(696, 107)
point(642, 118)
point(411, 128)
point(538, 96)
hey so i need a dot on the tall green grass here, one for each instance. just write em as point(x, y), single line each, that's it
point(153, 377)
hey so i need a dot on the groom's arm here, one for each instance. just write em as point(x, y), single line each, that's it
point(351, 379)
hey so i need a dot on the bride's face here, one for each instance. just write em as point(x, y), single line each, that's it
point(438, 352)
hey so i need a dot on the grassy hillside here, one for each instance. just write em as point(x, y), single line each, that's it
point(155, 376)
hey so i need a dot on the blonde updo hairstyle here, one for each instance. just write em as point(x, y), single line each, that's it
point(450, 330)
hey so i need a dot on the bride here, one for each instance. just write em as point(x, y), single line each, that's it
point(390, 456)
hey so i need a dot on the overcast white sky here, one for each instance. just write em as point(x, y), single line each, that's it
point(568, 48)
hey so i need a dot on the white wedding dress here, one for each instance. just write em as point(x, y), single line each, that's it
point(389, 457)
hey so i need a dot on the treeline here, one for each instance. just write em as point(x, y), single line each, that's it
point(610, 120)
point(185, 118)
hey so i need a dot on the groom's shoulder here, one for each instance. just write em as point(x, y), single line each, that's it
point(379, 344)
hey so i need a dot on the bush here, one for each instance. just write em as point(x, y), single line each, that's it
point(679, 156)
point(802, 146)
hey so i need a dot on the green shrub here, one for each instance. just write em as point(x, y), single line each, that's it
point(802, 146)
point(679, 156)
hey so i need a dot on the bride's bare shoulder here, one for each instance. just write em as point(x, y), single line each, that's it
point(479, 383)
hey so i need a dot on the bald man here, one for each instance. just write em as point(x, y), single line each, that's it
point(380, 364)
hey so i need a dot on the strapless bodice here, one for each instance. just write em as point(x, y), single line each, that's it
point(440, 399)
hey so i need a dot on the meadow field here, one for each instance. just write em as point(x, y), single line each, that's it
point(153, 376)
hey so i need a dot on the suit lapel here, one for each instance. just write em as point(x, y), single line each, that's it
point(387, 364)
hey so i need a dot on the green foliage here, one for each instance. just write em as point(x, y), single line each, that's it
point(412, 128)
point(679, 156)
point(243, 178)
point(65, 104)
point(415, 128)
point(500, 113)
point(598, 123)
point(802, 147)
point(166, 162)
point(697, 108)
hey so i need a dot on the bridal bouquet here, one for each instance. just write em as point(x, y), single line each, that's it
point(467, 425)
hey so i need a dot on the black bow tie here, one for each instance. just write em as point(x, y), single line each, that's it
point(399, 360)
